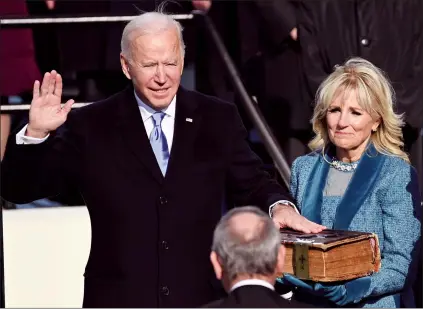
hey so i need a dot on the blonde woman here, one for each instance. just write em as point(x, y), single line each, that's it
point(358, 178)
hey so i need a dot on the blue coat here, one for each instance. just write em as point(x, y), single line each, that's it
point(383, 198)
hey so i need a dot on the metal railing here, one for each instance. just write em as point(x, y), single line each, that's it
point(24, 22)
point(250, 106)
point(26, 107)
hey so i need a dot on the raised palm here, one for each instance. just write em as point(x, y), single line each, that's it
point(47, 113)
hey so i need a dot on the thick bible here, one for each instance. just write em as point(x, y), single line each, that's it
point(331, 255)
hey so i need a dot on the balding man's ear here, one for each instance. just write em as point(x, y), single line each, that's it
point(216, 265)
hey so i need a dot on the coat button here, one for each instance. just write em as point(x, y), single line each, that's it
point(165, 290)
point(365, 42)
point(165, 245)
point(163, 200)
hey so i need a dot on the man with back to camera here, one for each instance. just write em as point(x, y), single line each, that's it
point(152, 164)
point(247, 256)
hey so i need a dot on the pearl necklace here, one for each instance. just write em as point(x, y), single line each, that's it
point(344, 167)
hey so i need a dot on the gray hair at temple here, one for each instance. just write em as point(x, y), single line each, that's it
point(149, 23)
point(252, 253)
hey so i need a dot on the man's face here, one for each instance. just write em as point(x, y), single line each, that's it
point(155, 67)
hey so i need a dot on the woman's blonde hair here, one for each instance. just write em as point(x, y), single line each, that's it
point(374, 94)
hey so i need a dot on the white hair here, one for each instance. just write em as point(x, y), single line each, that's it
point(149, 23)
point(242, 254)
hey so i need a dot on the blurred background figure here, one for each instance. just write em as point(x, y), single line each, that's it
point(18, 67)
point(261, 38)
point(18, 71)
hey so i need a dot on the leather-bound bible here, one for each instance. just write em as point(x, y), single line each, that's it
point(330, 255)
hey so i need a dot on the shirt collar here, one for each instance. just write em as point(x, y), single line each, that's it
point(147, 111)
point(252, 282)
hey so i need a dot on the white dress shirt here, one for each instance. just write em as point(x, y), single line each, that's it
point(168, 126)
point(252, 282)
point(260, 282)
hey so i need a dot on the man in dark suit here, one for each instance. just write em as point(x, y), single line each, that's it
point(152, 163)
point(247, 257)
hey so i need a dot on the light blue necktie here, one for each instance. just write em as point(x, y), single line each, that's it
point(159, 143)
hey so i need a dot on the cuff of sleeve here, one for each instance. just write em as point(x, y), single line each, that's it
point(285, 202)
point(287, 296)
point(21, 139)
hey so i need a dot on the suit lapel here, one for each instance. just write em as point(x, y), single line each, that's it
point(361, 184)
point(187, 123)
point(313, 194)
point(133, 132)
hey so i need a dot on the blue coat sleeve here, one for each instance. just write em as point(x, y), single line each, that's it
point(401, 215)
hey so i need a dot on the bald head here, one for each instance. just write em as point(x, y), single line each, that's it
point(246, 226)
point(246, 242)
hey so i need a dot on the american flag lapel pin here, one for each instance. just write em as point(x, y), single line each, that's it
point(188, 119)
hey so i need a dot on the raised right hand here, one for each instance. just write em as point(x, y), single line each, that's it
point(46, 113)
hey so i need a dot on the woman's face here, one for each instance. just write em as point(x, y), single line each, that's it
point(349, 126)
